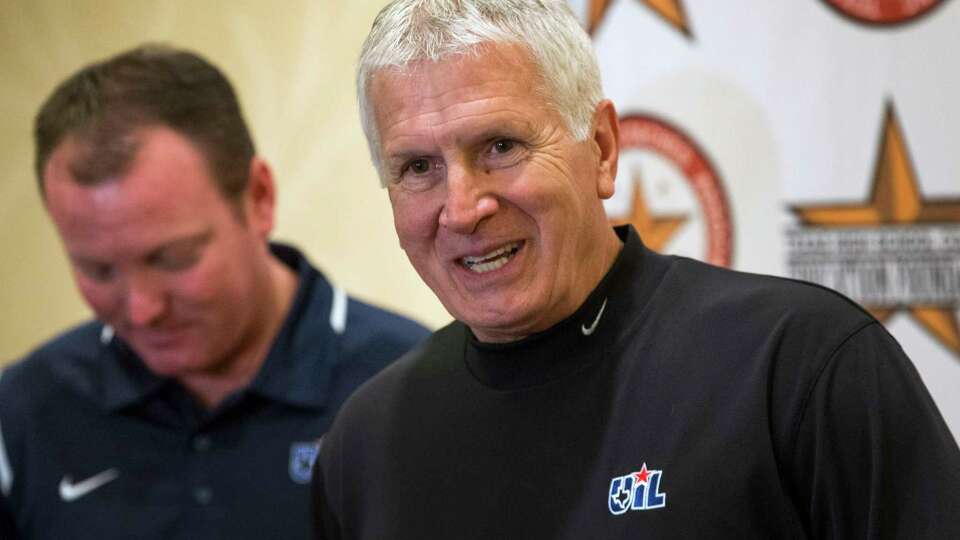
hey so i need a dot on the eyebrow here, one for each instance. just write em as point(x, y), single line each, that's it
point(524, 130)
point(510, 128)
point(507, 129)
point(184, 242)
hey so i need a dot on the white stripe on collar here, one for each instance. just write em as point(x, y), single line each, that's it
point(106, 334)
point(338, 312)
point(6, 473)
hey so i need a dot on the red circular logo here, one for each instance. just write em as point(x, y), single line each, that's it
point(883, 12)
point(644, 132)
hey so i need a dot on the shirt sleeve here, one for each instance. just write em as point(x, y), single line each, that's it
point(873, 457)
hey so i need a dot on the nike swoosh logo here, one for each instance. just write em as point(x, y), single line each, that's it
point(70, 491)
point(587, 330)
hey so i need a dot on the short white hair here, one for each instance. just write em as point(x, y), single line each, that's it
point(408, 31)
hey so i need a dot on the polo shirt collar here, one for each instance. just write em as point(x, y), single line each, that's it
point(125, 378)
point(299, 369)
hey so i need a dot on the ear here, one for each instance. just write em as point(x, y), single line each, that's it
point(260, 198)
point(606, 137)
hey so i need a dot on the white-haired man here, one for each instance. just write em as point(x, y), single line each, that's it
point(590, 388)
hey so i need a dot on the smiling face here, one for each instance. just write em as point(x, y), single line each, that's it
point(161, 256)
point(497, 206)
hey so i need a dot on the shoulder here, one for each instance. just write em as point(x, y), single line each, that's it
point(370, 338)
point(779, 334)
point(367, 340)
point(723, 288)
point(71, 358)
point(366, 322)
point(432, 361)
point(47, 380)
point(358, 326)
point(325, 316)
point(356, 339)
point(867, 419)
point(358, 445)
point(709, 297)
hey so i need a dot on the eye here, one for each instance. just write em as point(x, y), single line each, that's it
point(502, 153)
point(503, 146)
point(99, 272)
point(419, 166)
point(175, 260)
point(419, 173)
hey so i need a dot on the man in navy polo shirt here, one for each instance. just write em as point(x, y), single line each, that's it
point(192, 406)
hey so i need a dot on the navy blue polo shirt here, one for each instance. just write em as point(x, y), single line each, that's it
point(94, 445)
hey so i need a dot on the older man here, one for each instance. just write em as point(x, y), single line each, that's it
point(191, 407)
point(590, 388)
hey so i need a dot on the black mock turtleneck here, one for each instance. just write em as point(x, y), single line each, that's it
point(752, 407)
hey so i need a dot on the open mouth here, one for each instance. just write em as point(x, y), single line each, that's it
point(493, 260)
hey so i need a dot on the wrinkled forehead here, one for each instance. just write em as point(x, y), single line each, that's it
point(485, 63)
point(458, 81)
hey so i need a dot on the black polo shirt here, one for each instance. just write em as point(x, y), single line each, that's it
point(94, 445)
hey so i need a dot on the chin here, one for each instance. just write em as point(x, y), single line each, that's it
point(164, 368)
point(170, 362)
point(502, 322)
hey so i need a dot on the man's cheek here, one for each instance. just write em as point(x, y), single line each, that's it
point(414, 226)
point(102, 300)
point(202, 288)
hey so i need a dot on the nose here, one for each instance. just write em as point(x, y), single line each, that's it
point(145, 299)
point(468, 201)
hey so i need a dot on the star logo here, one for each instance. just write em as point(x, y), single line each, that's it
point(883, 12)
point(656, 230)
point(643, 476)
point(895, 201)
point(670, 11)
point(689, 167)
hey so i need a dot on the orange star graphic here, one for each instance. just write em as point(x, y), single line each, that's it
point(656, 231)
point(670, 10)
point(895, 200)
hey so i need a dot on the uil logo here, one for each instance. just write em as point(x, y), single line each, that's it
point(638, 490)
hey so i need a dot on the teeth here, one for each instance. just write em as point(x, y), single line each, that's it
point(480, 268)
point(493, 260)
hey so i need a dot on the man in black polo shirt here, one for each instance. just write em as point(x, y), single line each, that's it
point(590, 388)
point(192, 406)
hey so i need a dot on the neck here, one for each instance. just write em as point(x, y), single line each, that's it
point(211, 388)
point(603, 250)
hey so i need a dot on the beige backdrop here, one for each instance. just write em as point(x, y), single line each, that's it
point(292, 63)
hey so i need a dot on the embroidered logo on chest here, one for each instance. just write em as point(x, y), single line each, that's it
point(638, 490)
point(302, 457)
